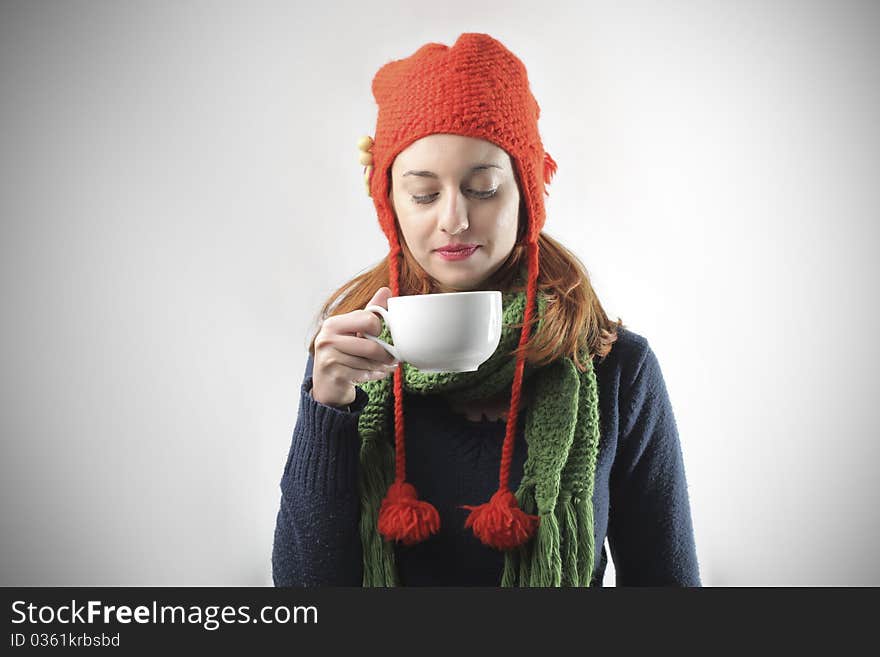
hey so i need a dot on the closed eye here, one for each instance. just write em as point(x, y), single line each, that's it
point(428, 198)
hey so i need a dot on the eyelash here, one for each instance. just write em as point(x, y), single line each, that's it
point(483, 196)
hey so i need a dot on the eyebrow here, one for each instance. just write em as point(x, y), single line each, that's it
point(431, 174)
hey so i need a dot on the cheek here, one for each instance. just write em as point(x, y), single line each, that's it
point(508, 222)
point(416, 231)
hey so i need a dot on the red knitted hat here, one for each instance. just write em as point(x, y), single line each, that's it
point(476, 88)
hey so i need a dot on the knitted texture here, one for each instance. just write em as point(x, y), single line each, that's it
point(562, 434)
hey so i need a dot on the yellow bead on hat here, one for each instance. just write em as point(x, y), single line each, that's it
point(364, 145)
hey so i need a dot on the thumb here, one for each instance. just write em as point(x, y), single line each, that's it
point(381, 297)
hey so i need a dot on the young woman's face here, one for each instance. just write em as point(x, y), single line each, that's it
point(449, 189)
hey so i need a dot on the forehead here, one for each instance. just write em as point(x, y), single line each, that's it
point(444, 153)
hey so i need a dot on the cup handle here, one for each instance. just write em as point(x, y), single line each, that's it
point(389, 348)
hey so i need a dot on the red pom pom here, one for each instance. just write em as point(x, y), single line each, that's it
point(405, 518)
point(500, 523)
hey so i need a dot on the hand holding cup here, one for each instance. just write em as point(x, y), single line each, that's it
point(343, 357)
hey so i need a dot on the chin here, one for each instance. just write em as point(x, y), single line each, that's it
point(465, 281)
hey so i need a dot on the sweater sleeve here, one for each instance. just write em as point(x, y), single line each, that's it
point(650, 531)
point(317, 539)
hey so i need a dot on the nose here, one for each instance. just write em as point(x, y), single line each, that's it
point(453, 214)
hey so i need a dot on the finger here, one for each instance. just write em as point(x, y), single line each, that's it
point(352, 323)
point(363, 348)
point(380, 298)
point(369, 375)
point(356, 364)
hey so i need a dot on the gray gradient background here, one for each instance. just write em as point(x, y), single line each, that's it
point(180, 192)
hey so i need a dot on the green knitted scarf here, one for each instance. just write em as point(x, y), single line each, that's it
point(562, 433)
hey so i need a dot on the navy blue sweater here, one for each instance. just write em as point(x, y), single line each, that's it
point(640, 497)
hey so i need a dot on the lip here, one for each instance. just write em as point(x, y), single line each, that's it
point(459, 253)
point(458, 247)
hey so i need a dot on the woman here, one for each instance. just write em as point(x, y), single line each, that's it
point(512, 475)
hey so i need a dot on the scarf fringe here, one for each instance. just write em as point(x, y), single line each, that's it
point(377, 462)
point(546, 560)
point(525, 498)
point(585, 558)
point(569, 537)
point(527, 504)
point(511, 565)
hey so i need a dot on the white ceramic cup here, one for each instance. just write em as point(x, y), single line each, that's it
point(448, 332)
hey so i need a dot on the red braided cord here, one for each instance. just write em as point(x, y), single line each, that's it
point(400, 457)
point(513, 412)
point(400, 453)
